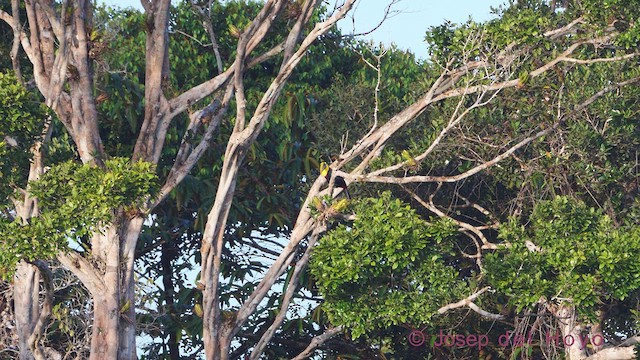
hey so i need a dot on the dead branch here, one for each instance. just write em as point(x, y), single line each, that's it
point(486, 244)
point(388, 13)
point(205, 15)
point(498, 158)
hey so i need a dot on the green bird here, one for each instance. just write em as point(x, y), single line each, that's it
point(325, 170)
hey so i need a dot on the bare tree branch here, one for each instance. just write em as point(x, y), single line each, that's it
point(291, 289)
point(17, 32)
point(388, 13)
point(296, 31)
point(486, 244)
point(565, 30)
point(217, 338)
point(188, 155)
point(318, 341)
point(205, 15)
point(468, 301)
point(498, 158)
point(84, 270)
point(601, 60)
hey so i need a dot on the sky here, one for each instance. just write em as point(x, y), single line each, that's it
point(412, 18)
point(408, 23)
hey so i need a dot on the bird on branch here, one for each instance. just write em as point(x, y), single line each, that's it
point(325, 170)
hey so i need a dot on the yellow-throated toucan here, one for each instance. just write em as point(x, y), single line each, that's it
point(325, 170)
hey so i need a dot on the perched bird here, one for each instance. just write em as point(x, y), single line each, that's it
point(339, 182)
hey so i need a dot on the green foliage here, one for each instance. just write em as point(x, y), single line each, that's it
point(387, 268)
point(75, 201)
point(583, 258)
point(21, 120)
point(345, 110)
point(521, 24)
point(448, 41)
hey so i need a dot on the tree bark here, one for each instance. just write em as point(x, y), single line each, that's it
point(571, 333)
point(127, 348)
point(575, 343)
point(114, 330)
point(26, 287)
point(57, 44)
point(109, 278)
point(105, 338)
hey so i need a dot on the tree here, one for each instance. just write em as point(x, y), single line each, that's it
point(572, 252)
point(269, 188)
point(520, 96)
point(64, 73)
point(23, 120)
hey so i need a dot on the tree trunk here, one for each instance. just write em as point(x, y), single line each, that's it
point(218, 332)
point(112, 287)
point(571, 333)
point(127, 348)
point(216, 342)
point(105, 336)
point(218, 348)
point(575, 343)
point(26, 287)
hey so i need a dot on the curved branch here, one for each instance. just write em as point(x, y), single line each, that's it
point(486, 244)
point(83, 269)
point(180, 103)
point(468, 302)
point(443, 89)
point(453, 121)
point(484, 313)
point(318, 341)
point(495, 160)
point(188, 155)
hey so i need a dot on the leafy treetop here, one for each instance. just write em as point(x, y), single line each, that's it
point(581, 257)
point(387, 268)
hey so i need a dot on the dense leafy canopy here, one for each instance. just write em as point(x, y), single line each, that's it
point(581, 257)
point(75, 201)
point(387, 268)
point(591, 159)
